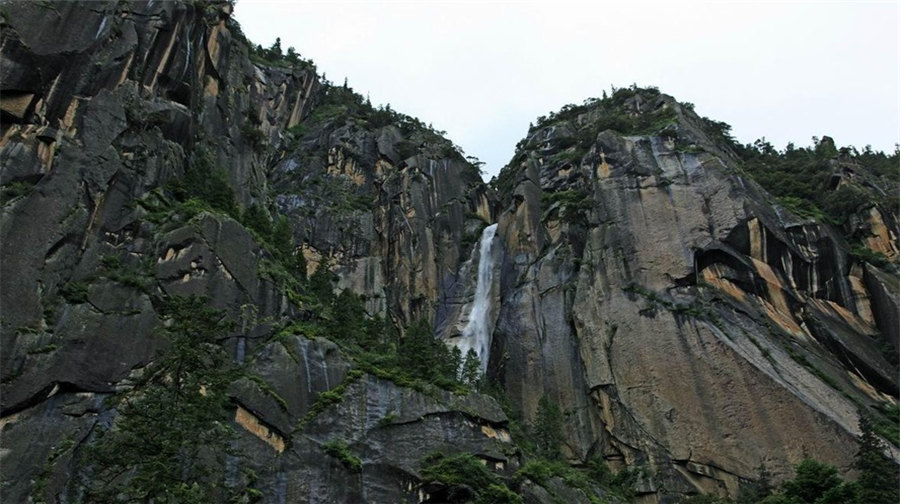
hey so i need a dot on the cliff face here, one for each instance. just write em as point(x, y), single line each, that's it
point(679, 318)
point(101, 120)
point(683, 320)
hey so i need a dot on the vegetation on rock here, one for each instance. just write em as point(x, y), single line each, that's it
point(817, 483)
point(467, 470)
point(167, 435)
point(339, 450)
point(171, 436)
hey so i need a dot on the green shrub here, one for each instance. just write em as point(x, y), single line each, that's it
point(460, 469)
point(205, 181)
point(329, 397)
point(15, 189)
point(52, 347)
point(541, 470)
point(812, 481)
point(801, 207)
point(846, 200)
point(254, 136)
point(498, 494)
point(865, 254)
point(705, 499)
point(256, 219)
point(338, 449)
point(74, 292)
point(889, 425)
point(877, 482)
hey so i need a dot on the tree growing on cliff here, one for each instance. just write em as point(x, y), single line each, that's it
point(321, 284)
point(817, 483)
point(471, 369)
point(548, 428)
point(170, 437)
point(878, 475)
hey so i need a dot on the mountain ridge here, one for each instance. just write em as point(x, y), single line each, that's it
point(641, 285)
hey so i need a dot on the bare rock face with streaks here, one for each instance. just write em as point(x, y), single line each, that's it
point(680, 317)
point(100, 123)
point(689, 326)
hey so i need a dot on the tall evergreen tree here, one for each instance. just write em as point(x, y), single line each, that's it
point(817, 483)
point(320, 282)
point(256, 219)
point(417, 356)
point(282, 238)
point(349, 318)
point(548, 428)
point(171, 435)
point(471, 369)
point(879, 478)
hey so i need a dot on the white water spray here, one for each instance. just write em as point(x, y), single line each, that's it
point(477, 333)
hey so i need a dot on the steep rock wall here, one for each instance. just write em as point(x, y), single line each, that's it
point(679, 317)
point(100, 122)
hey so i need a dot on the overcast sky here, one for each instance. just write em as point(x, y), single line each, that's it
point(483, 70)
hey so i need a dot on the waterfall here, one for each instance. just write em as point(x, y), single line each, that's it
point(303, 345)
point(477, 333)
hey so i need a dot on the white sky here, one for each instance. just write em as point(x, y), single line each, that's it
point(482, 70)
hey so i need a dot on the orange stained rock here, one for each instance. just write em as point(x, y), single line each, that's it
point(881, 240)
point(603, 169)
point(212, 86)
point(501, 434)
point(250, 422)
point(757, 239)
point(861, 299)
point(173, 34)
point(212, 44)
point(713, 276)
point(776, 287)
point(858, 324)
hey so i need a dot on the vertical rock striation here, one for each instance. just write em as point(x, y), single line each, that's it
point(684, 322)
point(687, 325)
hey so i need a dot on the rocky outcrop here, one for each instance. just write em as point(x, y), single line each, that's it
point(679, 318)
point(100, 124)
point(396, 224)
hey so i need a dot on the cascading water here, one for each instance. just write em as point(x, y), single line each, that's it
point(477, 333)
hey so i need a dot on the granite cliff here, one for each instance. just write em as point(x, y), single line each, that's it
point(693, 331)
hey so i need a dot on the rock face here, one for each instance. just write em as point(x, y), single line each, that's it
point(679, 318)
point(98, 123)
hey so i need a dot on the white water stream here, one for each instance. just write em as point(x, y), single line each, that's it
point(477, 333)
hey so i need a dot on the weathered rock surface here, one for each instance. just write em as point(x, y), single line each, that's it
point(96, 121)
point(680, 320)
point(685, 324)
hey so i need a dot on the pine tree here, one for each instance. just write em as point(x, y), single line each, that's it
point(282, 237)
point(205, 181)
point(816, 483)
point(471, 370)
point(255, 218)
point(878, 475)
point(320, 282)
point(417, 356)
point(548, 428)
point(377, 336)
point(172, 432)
point(275, 50)
point(349, 318)
point(456, 357)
